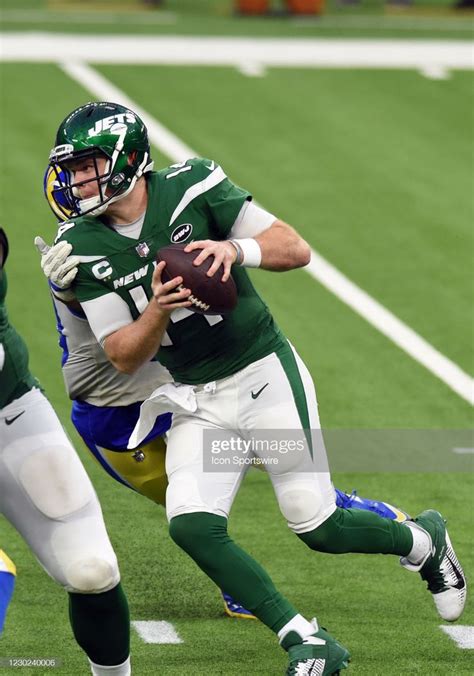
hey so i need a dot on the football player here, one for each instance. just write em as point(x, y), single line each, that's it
point(7, 583)
point(123, 213)
point(106, 403)
point(46, 495)
point(100, 394)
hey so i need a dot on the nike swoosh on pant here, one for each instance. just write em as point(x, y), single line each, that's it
point(257, 394)
point(9, 421)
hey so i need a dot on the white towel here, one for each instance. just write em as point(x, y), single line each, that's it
point(168, 398)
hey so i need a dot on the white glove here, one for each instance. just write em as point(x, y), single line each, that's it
point(59, 267)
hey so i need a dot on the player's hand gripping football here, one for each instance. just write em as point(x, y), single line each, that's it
point(169, 295)
point(59, 267)
point(224, 254)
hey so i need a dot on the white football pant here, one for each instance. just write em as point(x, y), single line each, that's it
point(48, 497)
point(262, 396)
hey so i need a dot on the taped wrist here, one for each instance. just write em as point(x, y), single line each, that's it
point(249, 254)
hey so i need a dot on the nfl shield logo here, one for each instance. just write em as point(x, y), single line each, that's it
point(142, 249)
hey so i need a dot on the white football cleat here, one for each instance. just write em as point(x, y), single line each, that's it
point(441, 568)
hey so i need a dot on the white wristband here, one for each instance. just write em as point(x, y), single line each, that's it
point(252, 253)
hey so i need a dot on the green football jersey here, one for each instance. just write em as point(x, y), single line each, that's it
point(15, 378)
point(193, 200)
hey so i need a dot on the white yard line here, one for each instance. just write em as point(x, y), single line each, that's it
point(233, 51)
point(319, 268)
point(104, 90)
point(392, 327)
point(462, 635)
point(151, 631)
point(463, 451)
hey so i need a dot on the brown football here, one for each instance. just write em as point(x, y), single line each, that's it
point(209, 295)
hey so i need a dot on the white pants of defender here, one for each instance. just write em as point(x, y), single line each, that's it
point(47, 496)
point(306, 499)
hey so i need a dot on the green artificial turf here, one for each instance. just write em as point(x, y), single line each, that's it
point(374, 170)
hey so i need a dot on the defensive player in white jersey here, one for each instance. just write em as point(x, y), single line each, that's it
point(123, 213)
point(46, 495)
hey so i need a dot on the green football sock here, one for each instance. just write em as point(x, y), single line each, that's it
point(204, 537)
point(101, 625)
point(357, 530)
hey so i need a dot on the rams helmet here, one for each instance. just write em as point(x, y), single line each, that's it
point(62, 202)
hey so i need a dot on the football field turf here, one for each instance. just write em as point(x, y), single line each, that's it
point(374, 168)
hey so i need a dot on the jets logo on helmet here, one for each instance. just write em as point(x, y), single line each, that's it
point(100, 130)
point(112, 121)
point(62, 202)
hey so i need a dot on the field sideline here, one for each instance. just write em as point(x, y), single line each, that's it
point(338, 184)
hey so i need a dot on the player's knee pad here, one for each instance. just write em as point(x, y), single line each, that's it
point(55, 480)
point(77, 553)
point(142, 469)
point(92, 575)
point(301, 507)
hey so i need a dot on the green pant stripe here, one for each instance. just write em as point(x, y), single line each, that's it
point(290, 367)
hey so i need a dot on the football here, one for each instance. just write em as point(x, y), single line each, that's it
point(209, 295)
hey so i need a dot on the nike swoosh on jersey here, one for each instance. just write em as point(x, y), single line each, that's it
point(9, 421)
point(257, 394)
